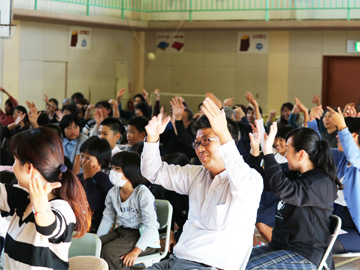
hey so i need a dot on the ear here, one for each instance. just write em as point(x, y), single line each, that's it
point(29, 168)
point(143, 135)
point(118, 136)
point(302, 154)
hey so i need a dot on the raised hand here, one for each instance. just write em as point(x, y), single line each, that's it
point(316, 113)
point(337, 118)
point(270, 138)
point(253, 102)
point(217, 120)
point(228, 102)
point(155, 127)
point(46, 99)
point(239, 113)
point(272, 114)
point(214, 99)
point(59, 115)
point(316, 100)
point(304, 110)
point(19, 119)
point(145, 95)
point(33, 114)
point(177, 108)
point(98, 116)
point(349, 110)
point(120, 93)
point(255, 140)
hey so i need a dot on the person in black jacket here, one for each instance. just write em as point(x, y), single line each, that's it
point(302, 227)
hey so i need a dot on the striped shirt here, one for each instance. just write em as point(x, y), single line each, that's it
point(29, 246)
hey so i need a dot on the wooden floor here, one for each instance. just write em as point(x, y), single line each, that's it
point(347, 263)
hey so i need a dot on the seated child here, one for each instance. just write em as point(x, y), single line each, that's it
point(136, 130)
point(111, 129)
point(95, 156)
point(133, 206)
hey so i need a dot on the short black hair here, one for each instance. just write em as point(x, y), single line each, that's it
point(353, 124)
point(67, 120)
point(99, 148)
point(250, 108)
point(55, 101)
point(54, 128)
point(140, 96)
point(176, 159)
point(189, 114)
point(106, 105)
point(144, 108)
point(130, 165)
point(203, 122)
point(43, 119)
point(283, 131)
point(137, 147)
point(114, 124)
point(139, 122)
point(77, 95)
point(72, 108)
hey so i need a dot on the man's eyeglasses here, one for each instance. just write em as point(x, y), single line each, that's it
point(204, 142)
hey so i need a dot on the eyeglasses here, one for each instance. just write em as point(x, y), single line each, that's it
point(204, 142)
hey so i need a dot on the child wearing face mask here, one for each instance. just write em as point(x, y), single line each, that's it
point(133, 206)
point(94, 160)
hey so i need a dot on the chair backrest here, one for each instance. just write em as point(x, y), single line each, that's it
point(163, 213)
point(88, 245)
point(335, 227)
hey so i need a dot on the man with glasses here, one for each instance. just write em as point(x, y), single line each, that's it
point(224, 194)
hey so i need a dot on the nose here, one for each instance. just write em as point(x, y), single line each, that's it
point(201, 148)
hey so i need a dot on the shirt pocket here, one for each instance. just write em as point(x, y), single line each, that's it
point(216, 217)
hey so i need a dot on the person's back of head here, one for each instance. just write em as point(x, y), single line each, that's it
point(76, 96)
point(176, 159)
point(43, 119)
point(70, 109)
point(353, 124)
point(99, 148)
point(43, 149)
point(129, 162)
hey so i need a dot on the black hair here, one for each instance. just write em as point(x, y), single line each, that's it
point(99, 148)
point(82, 101)
point(139, 122)
point(10, 104)
point(67, 120)
point(77, 96)
point(283, 131)
point(23, 110)
point(250, 108)
point(199, 106)
point(203, 122)
point(43, 119)
point(176, 159)
point(319, 151)
point(106, 105)
point(189, 114)
point(353, 124)
point(287, 105)
point(114, 124)
point(55, 101)
point(72, 108)
point(54, 128)
point(130, 165)
point(137, 147)
point(140, 96)
point(144, 108)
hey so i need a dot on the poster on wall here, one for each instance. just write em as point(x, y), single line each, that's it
point(167, 42)
point(253, 42)
point(80, 38)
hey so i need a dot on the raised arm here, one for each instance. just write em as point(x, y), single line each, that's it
point(250, 98)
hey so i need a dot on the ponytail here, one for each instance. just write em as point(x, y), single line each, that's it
point(319, 151)
point(73, 192)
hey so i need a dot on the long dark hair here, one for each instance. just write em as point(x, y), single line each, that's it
point(319, 151)
point(43, 149)
point(130, 165)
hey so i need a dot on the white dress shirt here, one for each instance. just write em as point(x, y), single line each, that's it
point(222, 210)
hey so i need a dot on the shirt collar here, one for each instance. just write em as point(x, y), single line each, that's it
point(66, 141)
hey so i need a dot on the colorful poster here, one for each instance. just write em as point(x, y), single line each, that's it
point(253, 42)
point(167, 42)
point(80, 38)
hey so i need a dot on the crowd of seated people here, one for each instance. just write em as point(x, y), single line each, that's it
point(225, 170)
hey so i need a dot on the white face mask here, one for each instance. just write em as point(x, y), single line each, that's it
point(116, 178)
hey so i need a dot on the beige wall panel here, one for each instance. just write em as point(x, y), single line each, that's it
point(124, 44)
point(224, 59)
point(188, 80)
point(252, 60)
point(56, 42)
point(189, 59)
point(31, 82)
point(220, 41)
point(220, 80)
point(353, 35)
point(305, 49)
point(78, 79)
point(102, 46)
point(54, 81)
point(102, 82)
point(158, 77)
point(79, 56)
point(304, 83)
point(32, 41)
point(334, 43)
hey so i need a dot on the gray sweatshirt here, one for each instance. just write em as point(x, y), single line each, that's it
point(137, 211)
